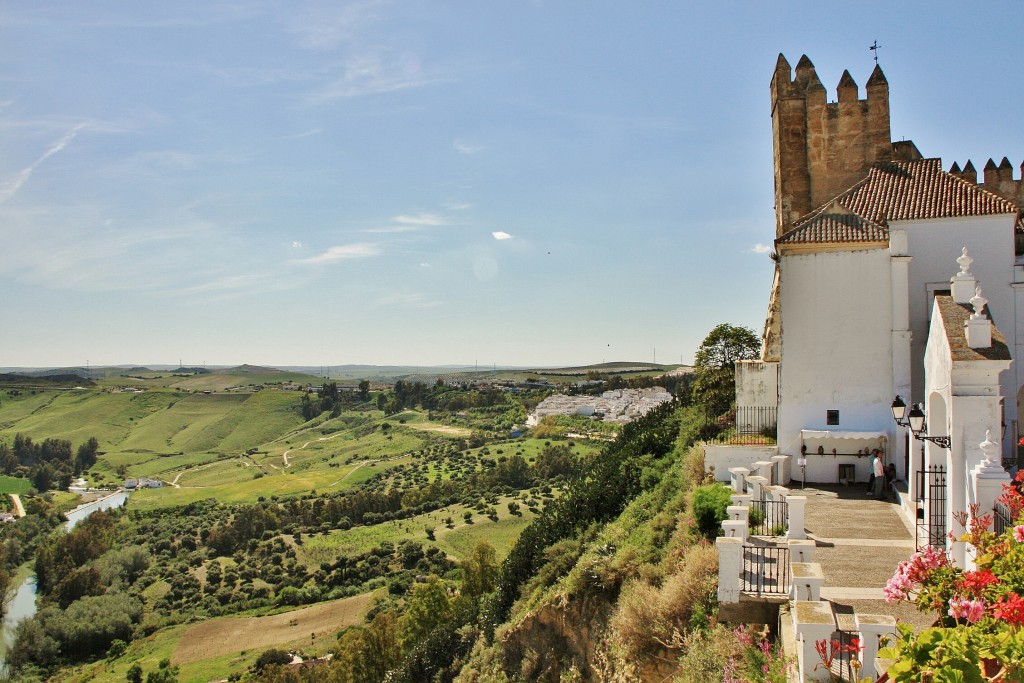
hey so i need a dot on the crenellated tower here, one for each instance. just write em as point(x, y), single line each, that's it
point(823, 148)
point(997, 179)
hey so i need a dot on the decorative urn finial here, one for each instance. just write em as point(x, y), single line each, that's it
point(978, 301)
point(989, 448)
point(965, 262)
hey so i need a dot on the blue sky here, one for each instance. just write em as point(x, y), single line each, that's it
point(431, 182)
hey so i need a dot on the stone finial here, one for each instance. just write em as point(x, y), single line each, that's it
point(963, 284)
point(965, 262)
point(978, 328)
point(990, 449)
point(978, 301)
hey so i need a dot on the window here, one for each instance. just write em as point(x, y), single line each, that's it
point(832, 417)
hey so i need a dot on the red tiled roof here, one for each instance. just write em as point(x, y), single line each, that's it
point(825, 227)
point(914, 190)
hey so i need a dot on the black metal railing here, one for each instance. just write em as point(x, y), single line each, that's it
point(768, 517)
point(765, 570)
point(753, 425)
point(931, 515)
point(1002, 518)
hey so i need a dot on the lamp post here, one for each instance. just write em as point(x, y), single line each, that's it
point(915, 419)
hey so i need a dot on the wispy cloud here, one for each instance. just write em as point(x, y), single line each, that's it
point(424, 219)
point(501, 235)
point(466, 148)
point(458, 206)
point(343, 252)
point(231, 286)
point(331, 25)
point(297, 245)
point(391, 229)
point(296, 136)
point(10, 186)
point(761, 248)
point(370, 74)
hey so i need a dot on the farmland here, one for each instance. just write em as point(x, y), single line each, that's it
point(262, 510)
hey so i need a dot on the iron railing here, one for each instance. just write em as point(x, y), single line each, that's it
point(768, 517)
point(765, 570)
point(1002, 519)
point(931, 517)
point(751, 425)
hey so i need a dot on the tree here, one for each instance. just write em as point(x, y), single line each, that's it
point(428, 608)
point(715, 382)
point(725, 345)
point(272, 656)
point(364, 390)
point(134, 674)
point(480, 571)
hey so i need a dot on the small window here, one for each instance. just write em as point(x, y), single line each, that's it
point(831, 417)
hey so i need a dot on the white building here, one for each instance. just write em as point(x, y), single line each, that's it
point(862, 270)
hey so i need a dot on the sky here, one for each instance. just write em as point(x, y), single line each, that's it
point(431, 182)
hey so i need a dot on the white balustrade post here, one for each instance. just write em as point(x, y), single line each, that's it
point(988, 477)
point(797, 506)
point(755, 487)
point(782, 475)
point(801, 550)
point(730, 567)
point(871, 628)
point(813, 622)
point(763, 468)
point(738, 478)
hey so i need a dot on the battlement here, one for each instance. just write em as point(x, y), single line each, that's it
point(998, 180)
point(823, 148)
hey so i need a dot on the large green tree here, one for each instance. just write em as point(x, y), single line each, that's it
point(715, 363)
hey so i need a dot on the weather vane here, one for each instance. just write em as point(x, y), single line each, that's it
point(874, 48)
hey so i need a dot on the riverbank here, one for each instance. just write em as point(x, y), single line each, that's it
point(115, 499)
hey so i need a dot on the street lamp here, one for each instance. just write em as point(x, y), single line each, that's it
point(915, 419)
point(899, 409)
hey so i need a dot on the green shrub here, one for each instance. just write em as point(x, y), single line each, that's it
point(756, 518)
point(709, 503)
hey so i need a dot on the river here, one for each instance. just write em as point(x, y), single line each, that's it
point(23, 604)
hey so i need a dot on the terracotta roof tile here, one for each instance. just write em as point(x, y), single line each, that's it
point(914, 190)
point(826, 227)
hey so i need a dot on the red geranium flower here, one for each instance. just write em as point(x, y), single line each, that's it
point(1009, 608)
point(975, 582)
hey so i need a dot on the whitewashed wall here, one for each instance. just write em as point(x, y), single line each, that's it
point(934, 246)
point(836, 312)
point(757, 384)
point(723, 457)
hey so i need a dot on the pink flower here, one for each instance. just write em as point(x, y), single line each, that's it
point(971, 610)
point(1018, 533)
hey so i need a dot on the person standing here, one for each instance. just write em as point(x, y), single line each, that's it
point(878, 469)
point(871, 472)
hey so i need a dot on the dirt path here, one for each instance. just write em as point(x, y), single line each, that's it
point(284, 456)
point(351, 472)
point(18, 507)
point(174, 482)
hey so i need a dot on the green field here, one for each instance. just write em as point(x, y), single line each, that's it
point(13, 484)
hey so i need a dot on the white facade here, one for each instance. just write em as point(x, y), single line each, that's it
point(836, 356)
point(757, 384)
point(990, 242)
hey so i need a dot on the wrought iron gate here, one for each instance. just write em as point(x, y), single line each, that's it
point(931, 511)
point(765, 570)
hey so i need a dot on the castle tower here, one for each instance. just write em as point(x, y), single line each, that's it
point(823, 148)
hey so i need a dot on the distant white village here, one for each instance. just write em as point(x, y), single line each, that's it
point(619, 405)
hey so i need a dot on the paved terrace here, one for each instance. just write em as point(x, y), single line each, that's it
point(859, 542)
